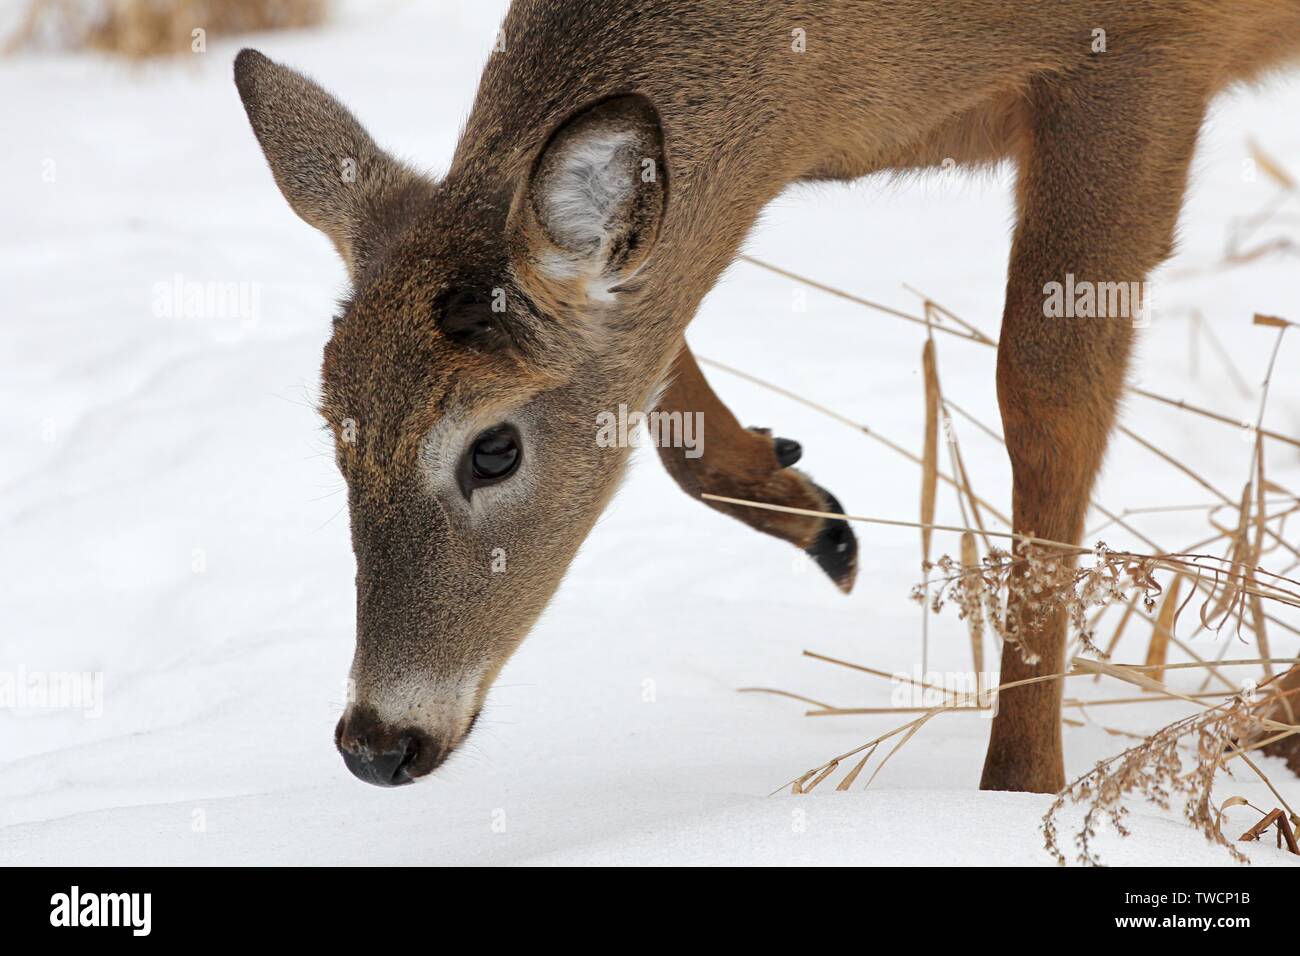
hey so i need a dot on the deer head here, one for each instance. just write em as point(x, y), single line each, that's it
point(491, 319)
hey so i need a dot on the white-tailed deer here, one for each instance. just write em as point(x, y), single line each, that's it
point(616, 157)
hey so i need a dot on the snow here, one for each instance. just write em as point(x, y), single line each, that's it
point(172, 518)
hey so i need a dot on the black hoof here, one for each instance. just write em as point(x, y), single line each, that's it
point(836, 547)
point(788, 451)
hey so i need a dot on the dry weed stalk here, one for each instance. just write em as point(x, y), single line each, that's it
point(1040, 582)
point(1237, 250)
point(1154, 769)
point(965, 331)
point(1043, 579)
point(1274, 818)
point(1284, 706)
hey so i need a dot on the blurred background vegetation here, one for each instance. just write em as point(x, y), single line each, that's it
point(140, 29)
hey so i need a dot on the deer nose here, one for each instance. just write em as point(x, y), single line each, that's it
point(384, 756)
point(384, 768)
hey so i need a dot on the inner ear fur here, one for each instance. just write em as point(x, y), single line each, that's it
point(589, 214)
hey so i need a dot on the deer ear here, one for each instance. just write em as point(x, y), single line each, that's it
point(590, 212)
point(326, 165)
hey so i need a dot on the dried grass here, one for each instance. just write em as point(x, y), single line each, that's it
point(1158, 649)
point(930, 455)
point(1155, 770)
point(1284, 706)
point(141, 29)
point(1232, 591)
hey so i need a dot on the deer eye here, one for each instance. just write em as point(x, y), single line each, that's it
point(494, 455)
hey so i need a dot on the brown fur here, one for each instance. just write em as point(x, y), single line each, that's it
point(1101, 140)
point(737, 462)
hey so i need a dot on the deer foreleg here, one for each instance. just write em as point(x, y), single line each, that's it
point(748, 463)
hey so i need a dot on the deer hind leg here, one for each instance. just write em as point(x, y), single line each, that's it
point(1101, 178)
point(748, 463)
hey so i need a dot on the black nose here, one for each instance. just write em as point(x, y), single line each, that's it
point(386, 757)
point(384, 768)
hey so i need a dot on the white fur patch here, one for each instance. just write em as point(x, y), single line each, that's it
point(448, 441)
point(589, 189)
point(657, 393)
point(440, 706)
